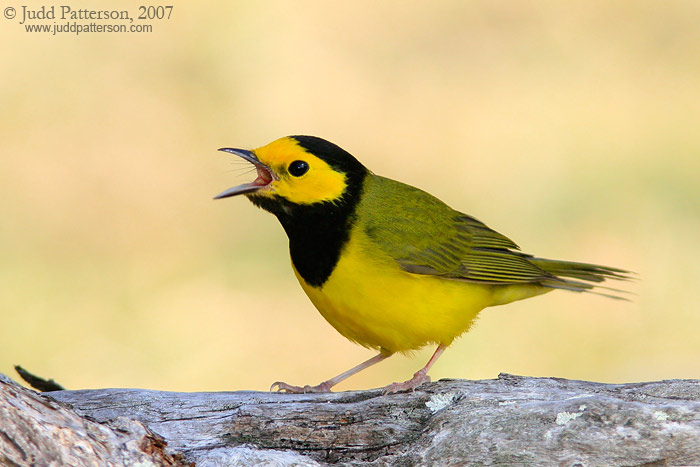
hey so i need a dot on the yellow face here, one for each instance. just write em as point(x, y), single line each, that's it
point(297, 175)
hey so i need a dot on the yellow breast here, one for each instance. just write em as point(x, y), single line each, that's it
point(370, 300)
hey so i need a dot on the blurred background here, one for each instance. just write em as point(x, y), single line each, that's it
point(570, 127)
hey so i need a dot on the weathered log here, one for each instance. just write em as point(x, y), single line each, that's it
point(37, 431)
point(511, 420)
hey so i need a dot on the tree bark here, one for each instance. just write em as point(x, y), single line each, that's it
point(511, 420)
point(38, 431)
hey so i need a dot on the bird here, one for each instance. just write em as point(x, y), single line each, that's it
point(389, 266)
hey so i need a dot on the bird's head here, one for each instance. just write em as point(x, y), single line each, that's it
point(298, 171)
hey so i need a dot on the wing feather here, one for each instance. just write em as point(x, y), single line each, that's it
point(426, 236)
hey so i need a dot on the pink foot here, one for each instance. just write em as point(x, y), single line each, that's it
point(419, 378)
point(284, 387)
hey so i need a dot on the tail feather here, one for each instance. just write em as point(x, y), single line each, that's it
point(581, 277)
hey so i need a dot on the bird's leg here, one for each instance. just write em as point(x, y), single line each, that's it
point(326, 386)
point(420, 377)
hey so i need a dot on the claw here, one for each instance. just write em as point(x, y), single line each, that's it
point(418, 379)
point(278, 384)
point(288, 388)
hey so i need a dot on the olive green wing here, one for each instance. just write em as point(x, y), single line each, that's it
point(425, 236)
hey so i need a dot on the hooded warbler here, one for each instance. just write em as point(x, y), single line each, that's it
point(390, 266)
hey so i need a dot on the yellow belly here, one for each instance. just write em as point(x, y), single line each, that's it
point(370, 300)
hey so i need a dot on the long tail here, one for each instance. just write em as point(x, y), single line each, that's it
point(582, 277)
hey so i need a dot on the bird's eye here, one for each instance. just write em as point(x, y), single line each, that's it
point(298, 168)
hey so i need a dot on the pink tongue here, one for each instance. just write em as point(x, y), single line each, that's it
point(263, 177)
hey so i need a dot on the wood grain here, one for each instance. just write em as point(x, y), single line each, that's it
point(511, 420)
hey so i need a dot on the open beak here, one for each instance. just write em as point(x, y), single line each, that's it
point(265, 175)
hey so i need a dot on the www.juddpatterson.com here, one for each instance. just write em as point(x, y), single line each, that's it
point(76, 28)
